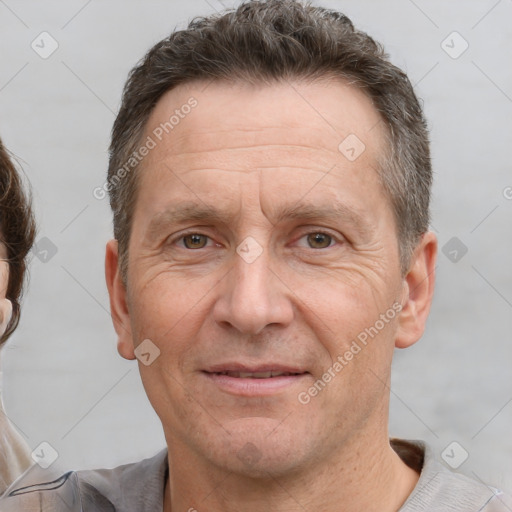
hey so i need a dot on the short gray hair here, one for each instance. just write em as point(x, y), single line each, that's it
point(264, 42)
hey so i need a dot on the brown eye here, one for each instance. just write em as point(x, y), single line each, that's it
point(319, 240)
point(194, 241)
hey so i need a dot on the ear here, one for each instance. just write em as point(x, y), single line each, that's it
point(118, 302)
point(418, 290)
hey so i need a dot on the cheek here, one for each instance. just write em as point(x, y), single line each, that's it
point(167, 303)
point(167, 394)
point(171, 316)
point(171, 312)
point(344, 302)
point(4, 278)
point(355, 323)
point(356, 375)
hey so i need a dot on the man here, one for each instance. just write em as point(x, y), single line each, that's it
point(270, 180)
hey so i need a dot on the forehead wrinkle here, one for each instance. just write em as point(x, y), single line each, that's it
point(301, 158)
point(197, 162)
point(250, 147)
point(258, 169)
point(250, 156)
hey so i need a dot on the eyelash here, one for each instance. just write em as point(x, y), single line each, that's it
point(334, 239)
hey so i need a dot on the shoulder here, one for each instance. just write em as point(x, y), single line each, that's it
point(138, 485)
point(132, 487)
point(442, 490)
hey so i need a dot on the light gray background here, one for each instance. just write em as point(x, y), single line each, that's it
point(65, 383)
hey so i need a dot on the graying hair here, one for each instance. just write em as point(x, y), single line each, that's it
point(274, 40)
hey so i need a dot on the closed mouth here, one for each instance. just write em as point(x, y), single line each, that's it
point(246, 379)
point(257, 375)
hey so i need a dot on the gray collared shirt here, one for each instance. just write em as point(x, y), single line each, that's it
point(139, 487)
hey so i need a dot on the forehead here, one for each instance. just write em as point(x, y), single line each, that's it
point(319, 115)
point(291, 134)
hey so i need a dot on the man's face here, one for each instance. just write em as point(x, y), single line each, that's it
point(259, 246)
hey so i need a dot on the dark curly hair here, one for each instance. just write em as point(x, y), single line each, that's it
point(17, 232)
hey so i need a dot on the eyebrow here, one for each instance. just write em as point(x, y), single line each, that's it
point(197, 212)
point(336, 210)
point(183, 212)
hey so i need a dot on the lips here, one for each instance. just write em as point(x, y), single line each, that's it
point(254, 380)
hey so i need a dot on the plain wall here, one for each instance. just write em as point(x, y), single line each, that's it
point(64, 381)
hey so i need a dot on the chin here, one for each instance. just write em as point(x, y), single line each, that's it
point(260, 448)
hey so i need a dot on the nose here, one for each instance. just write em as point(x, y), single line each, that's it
point(253, 297)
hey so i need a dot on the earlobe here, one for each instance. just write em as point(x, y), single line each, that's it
point(118, 302)
point(418, 289)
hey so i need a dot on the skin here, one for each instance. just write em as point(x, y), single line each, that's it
point(252, 153)
point(5, 304)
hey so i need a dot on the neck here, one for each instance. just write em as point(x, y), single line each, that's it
point(361, 475)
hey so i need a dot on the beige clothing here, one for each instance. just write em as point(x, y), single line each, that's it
point(14, 452)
